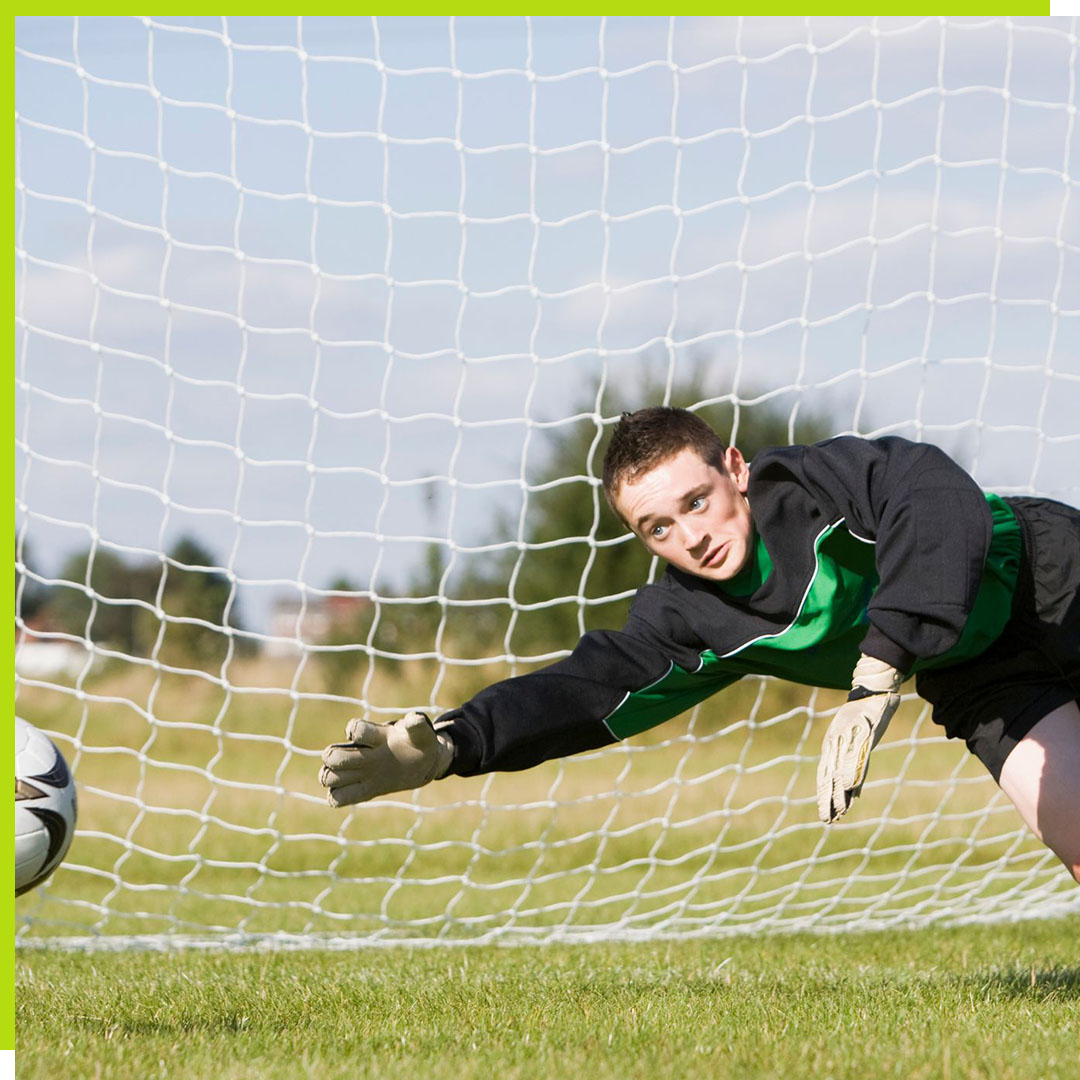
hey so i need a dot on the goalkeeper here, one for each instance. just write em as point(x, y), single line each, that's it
point(852, 564)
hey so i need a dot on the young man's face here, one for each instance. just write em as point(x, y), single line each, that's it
point(692, 513)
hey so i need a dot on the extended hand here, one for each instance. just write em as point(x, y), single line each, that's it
point(855, 730)
point(379, 758)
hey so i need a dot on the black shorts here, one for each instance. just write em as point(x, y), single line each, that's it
point(994, 700)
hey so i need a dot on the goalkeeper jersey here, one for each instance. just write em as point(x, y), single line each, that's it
point(880, 546)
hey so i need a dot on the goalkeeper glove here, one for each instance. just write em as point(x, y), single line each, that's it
point(855, 731)
point(379, 758)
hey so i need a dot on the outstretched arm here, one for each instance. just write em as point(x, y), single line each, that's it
point(614, 684)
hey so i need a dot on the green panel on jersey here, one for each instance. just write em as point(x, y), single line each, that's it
point(676, 692)
point(820, 647)
point(993, 605)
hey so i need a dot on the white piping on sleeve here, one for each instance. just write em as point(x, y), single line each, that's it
point(626, 697)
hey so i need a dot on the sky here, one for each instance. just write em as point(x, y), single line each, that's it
point(321, 291)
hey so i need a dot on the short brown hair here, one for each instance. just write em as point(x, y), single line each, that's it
point(643, 439)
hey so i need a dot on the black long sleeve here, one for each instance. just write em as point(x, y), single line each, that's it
point(568, 707)
point(931, 526)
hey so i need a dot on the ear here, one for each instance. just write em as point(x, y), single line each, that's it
point(737, 468)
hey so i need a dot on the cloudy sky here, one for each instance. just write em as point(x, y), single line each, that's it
point(319, 291)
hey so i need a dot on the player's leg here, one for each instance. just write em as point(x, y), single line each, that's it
point(1042, 778)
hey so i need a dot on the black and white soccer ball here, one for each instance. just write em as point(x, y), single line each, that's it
point(45, 806)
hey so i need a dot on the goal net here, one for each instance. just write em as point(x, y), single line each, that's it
point(320, 327)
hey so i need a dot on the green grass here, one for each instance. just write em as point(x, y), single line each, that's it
point(1000, 1002)
point(194, 814)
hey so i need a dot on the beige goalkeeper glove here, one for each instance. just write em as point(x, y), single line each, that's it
point(855, 730)
point(379, 758)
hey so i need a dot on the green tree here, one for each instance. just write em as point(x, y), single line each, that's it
point(111, 616)
point(195, 589)
point(573, 555)
point(120, 610)
point(567, 504)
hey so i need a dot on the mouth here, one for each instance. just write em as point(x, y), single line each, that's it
point(716, 556)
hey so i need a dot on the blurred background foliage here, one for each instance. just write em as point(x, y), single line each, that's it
point(562, 566)
point(176, 608)
point(568, 553)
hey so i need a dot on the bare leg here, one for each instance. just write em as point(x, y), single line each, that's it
point(1042, 777)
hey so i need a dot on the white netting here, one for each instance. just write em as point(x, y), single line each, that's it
point(319, 326)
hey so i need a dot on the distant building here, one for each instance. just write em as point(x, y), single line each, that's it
point(294, 625)
point(41, 654)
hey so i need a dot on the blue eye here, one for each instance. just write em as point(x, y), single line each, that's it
point(698, 503)
point(657, 532)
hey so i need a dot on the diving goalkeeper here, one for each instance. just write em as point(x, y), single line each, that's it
point(851, 564)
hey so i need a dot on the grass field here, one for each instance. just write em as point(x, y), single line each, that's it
point(996, 1002)
point(200, 813)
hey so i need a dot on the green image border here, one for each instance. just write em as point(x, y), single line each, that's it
point(7, 990)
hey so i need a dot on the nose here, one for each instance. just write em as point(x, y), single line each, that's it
point(694, 537)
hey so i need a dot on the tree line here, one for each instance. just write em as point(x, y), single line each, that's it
point(544, 594)
point(533, 595)
point(186, 586)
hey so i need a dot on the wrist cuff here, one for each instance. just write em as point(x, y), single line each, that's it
point(445, 760)
point(876, 644)
point(464, 757)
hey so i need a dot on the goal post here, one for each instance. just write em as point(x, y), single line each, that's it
point(320, 327)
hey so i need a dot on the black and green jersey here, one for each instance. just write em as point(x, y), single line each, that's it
point(879, 546)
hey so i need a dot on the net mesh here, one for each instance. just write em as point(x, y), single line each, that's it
point(319, 327)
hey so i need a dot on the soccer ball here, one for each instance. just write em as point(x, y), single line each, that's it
point(44, 806)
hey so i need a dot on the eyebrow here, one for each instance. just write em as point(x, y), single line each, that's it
point(687, 496)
